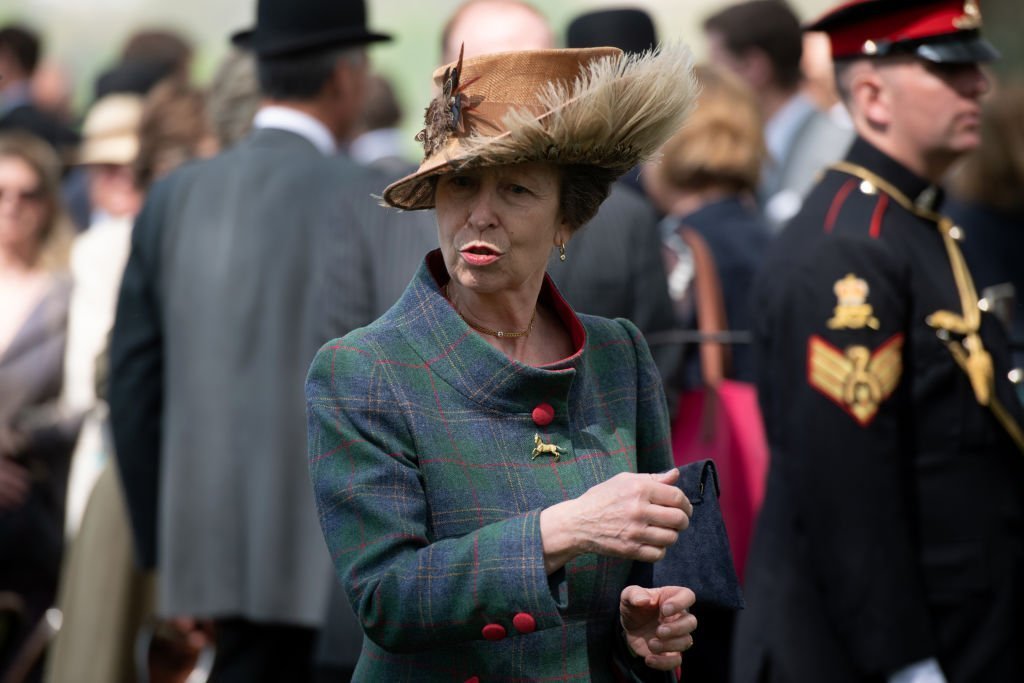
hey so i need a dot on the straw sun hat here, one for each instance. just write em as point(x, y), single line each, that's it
point(111, 131)
point(592, 106)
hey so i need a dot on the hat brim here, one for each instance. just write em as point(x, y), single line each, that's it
point(251, 41)
point(119, 151)
point(415, 191)
point(962, 50)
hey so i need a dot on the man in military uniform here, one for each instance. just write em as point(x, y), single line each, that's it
point(890, 545)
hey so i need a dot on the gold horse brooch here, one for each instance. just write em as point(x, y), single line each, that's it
point(541, 448)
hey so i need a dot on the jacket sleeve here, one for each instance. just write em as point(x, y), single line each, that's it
point(136, 377)
point(409, 591)
point(839, 413)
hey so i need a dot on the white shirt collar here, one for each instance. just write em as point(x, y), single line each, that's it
point(300, 123)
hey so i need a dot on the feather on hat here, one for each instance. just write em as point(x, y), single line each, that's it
point(593, 106)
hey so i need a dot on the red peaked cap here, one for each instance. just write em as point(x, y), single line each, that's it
point(944, 31)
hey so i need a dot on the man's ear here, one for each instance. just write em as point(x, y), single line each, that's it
point(871, 94)
point(342, 78)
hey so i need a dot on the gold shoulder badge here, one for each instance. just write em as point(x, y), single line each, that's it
point(852, 312)
point(971, 18)
point(857, 380)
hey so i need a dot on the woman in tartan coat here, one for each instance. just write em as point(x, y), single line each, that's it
point(489, 467)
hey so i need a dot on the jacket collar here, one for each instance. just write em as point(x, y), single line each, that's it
point(918, 189)
point(298, 122)
point(463, 359)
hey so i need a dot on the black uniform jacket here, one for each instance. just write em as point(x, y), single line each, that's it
point(893, 524)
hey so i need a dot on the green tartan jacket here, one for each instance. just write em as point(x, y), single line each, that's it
point(420, 444)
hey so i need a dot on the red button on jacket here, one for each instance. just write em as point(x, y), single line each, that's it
point(524, 623)
point(493, 632)
point(543, 414)
point(474, 679)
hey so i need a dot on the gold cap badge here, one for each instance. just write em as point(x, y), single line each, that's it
point(971, 18)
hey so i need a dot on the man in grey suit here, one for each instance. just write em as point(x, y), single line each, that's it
point(241, 267)
point(762, 42)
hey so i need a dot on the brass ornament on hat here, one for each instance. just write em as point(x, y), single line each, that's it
point(971, 18)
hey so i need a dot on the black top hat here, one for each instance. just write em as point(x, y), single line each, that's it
point(630, 30)
point(286, 27)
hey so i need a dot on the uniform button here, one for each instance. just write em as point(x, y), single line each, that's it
point(524, 623)
point(493, 632)
point(543, 414)
point(474, 679)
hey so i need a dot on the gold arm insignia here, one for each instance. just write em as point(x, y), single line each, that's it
point(852, 311)
point(857, 379)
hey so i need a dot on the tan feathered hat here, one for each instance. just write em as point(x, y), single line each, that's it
point(593, 106)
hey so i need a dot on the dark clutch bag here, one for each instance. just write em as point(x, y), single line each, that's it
point(701, 559)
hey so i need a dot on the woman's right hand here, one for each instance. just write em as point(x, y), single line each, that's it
point(634, 516)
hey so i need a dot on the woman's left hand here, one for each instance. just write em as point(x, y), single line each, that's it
point(658, 623)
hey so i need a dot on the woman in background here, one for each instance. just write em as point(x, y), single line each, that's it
point(34, 291)
point(102, 591)
point(706, 180)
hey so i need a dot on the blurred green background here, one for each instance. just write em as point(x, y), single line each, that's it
point(86, 35)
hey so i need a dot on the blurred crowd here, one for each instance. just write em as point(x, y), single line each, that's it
point(80, 600)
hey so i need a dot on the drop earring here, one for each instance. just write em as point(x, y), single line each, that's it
point(561, 251)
